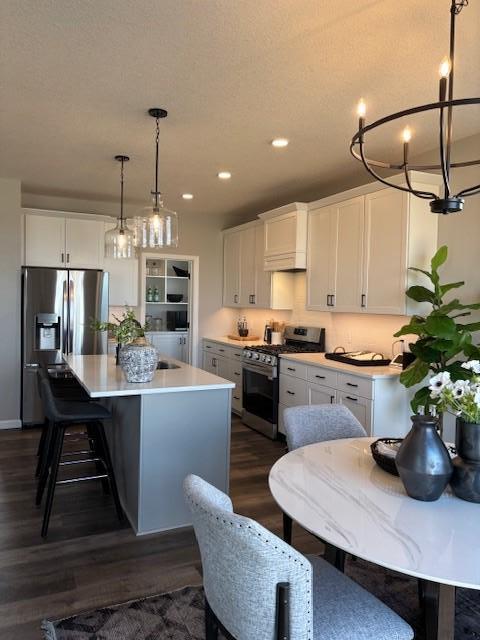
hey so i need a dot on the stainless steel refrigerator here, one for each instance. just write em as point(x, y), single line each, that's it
point(58, 306)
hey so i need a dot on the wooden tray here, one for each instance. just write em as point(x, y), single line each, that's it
point(240, 339)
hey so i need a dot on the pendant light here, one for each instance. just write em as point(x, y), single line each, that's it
point(119, 240)
point(449, 201)
point(156, 226)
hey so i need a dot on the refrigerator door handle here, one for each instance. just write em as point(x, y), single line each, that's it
point(32, 365)
point(65, 318)
point(71, 311)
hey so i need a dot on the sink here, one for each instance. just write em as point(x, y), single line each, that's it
point(164, 364)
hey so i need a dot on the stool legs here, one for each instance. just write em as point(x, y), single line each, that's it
point(57, 453)
point(41, 449)
point(45, 461)
point(287, 529)
point(108, 463)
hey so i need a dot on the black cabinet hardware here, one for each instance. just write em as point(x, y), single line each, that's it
point(363, 302)
point(350, 384)
point(290, 369)
point(352, 398)
point(292, 393)
point(320, 377)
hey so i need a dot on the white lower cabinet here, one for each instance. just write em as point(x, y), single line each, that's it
point(225, 361)
point(381, 405)
point(171, 345)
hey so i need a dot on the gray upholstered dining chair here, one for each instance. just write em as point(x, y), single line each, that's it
point(259, 587)
point(316, 423)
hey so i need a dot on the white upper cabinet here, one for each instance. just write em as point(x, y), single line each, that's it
point(335, 256)
point(231, 269)
point(84, 243)
point(246, 283)
point(348, 243)
point(61, 241)
point(44, 241)
point(285, 237)
point(123, 280)
point(360, 250)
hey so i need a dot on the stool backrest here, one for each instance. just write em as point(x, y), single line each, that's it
point(316, 423)
point(48, 400)
point(242, 565)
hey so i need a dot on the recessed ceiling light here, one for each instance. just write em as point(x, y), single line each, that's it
point(224, 175)
point(280, 142)
point(187, 196)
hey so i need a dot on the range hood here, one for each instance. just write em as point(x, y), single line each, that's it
point(285, 243)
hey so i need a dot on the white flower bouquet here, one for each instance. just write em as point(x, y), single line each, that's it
point(461, 397)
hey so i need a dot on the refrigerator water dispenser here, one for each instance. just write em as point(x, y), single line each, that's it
point(47, 332)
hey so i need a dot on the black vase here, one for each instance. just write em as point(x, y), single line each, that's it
point(465, 480)
point(423, 461)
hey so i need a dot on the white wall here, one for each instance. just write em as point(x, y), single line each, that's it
point(10, 250)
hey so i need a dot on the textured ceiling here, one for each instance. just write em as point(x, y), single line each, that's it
point(77, 78)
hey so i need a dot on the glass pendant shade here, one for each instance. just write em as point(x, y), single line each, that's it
point(155, 227)
point(119, 242)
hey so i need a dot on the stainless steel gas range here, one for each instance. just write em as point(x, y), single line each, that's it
point(260, 367)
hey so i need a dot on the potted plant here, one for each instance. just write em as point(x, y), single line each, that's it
point(462, 397)
point(442, 342)
point(137, 357)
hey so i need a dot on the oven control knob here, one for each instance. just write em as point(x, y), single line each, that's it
point(268, 359)
point(248, 354)
point(256, 356)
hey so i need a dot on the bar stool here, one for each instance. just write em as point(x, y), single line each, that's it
point(60, 415)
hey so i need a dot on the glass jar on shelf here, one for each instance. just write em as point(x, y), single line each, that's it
point(158, 323)
point(149, 296)
point(147, 269)
point(156, 295)
point(154, 269)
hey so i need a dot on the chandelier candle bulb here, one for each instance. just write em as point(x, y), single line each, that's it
point(445, 68)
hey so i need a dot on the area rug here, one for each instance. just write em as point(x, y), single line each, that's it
point(179, 615)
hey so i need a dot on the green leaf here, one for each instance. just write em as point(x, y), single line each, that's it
point(421, 399)
point(444, 288)
point(423, 350)
point(473, 326)
point(414, 373)
point(425, 273)
point(421, 294)
point(440, 326)
point(439, 258)
point(409, 329)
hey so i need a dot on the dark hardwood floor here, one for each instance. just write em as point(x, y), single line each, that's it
point(88, 560)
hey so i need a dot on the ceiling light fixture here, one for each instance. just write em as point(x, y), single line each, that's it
point(119, 240)
point(156, 226)
point(224, 175)
point(449, 202)
point(187, 196)
point(279, 143)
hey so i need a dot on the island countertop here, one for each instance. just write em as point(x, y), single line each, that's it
point(102, 378)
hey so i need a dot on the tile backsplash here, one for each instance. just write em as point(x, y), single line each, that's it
point(350, 330)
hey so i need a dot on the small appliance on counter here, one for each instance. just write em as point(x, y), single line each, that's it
point(177, 321)
point(260, 366)
point(359, 358)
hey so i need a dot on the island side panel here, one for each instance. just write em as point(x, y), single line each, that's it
point(181, 433)
point(123, 437)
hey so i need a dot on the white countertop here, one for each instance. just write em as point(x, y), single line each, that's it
point(336, 491)
point(319, 360)
point(101, 378)
point(236, 343)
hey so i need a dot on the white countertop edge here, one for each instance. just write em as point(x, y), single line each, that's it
point(235, 343)
point(156, 391)
point(319, 360)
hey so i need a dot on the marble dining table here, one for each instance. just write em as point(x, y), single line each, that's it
point(336, 491)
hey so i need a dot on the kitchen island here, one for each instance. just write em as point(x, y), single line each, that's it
point(161, 431)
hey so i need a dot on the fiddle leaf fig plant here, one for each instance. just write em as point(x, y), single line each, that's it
point(442, 341)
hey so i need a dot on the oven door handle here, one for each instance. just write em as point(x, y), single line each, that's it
point(260, 370)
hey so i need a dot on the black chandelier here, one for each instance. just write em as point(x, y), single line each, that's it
point(450, 202)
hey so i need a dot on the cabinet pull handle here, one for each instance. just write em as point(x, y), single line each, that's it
point(237, 355)
point(214, 362)
point(320, 377)
point(235, 299)
point(332, 300)
point(292, 393)
point(68, 257)
point(328, 299)
point(291, 369)
point(352, 398)
point(332, 399)
point(236, 397)
point(350, 384)
point(62, 258)
point(253, 298)
point(222, 350)
point(236, 373)
point(363, 302)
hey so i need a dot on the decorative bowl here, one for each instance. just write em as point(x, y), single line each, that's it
point(174, 297)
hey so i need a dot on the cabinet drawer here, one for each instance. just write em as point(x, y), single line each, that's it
point(319, 375)
point(293, 391)
point(290, 368)
point(356, 385)
point(360, 407)
point(236, 354)
point(213, 347)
